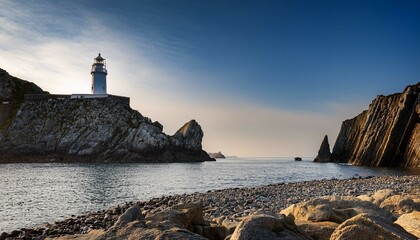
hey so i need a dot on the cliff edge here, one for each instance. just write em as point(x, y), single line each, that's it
point(386, 135)
point(92, 130)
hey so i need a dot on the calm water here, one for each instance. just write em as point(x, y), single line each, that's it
point(32, 194)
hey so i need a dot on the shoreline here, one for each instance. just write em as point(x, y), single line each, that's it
point(232, 204)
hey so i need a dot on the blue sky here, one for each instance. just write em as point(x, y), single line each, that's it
point(263, 78)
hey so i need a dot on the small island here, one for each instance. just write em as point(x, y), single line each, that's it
point(217, 155)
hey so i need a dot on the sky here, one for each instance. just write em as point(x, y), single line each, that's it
point(263, 78)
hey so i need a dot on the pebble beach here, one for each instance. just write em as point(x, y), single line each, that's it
point(229, 205)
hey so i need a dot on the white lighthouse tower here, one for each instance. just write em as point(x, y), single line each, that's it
point(99, 73)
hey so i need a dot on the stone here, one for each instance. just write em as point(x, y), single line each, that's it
point(3, 236)
point(333, 209)
point(182, 216)
point(131, 214)
point(230, 225)
point(401, 204)
point(324, 152)
point(214, 232)
point(385, 135)
point(318, 230)
point(410, 222)
point(364, 226)
point(378, 197)
point(265, 225)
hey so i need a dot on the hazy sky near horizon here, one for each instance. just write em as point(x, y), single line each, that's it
point(263, 78)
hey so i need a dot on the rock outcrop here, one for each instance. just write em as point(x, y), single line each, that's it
point(96, 129)
point(12, 91)
point(217, 155)
point(12, 88)
point(387, 134)
point(324, 153)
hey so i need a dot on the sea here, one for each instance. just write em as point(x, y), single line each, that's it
point(35, 194)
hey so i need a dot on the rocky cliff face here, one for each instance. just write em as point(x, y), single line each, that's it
point(387, 134)
point(101, 129)
point(12, 88)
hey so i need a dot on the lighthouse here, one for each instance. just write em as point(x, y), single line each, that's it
point(99, 73)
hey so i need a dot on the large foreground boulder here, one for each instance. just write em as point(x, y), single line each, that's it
point(318, 230)
point(174, 223)
point(367, 227)
point(410, 222)
point(265, 225)
point(334, 209)
point(182, 216)
point(401, 204)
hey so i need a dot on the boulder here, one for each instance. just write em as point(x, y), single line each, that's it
point(410, 222)
point(182, 216)
point(400, 204)
point(169, 224)
point(364, 226)
point(131, 214)
point(333, 209)
point(318, 230)
point(378, 197)
point(324, 152)
point(265, 225)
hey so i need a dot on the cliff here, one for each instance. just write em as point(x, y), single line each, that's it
point(387, 134)
point(93, 130)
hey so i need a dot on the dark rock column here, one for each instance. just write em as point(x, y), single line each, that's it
point(324, 153)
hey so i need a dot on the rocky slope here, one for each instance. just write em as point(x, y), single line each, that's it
point(387, 134)
point(101, 129)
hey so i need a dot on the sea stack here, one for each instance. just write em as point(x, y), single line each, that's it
point(324, 153)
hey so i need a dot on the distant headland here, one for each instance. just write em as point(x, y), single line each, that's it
point(36, 126)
